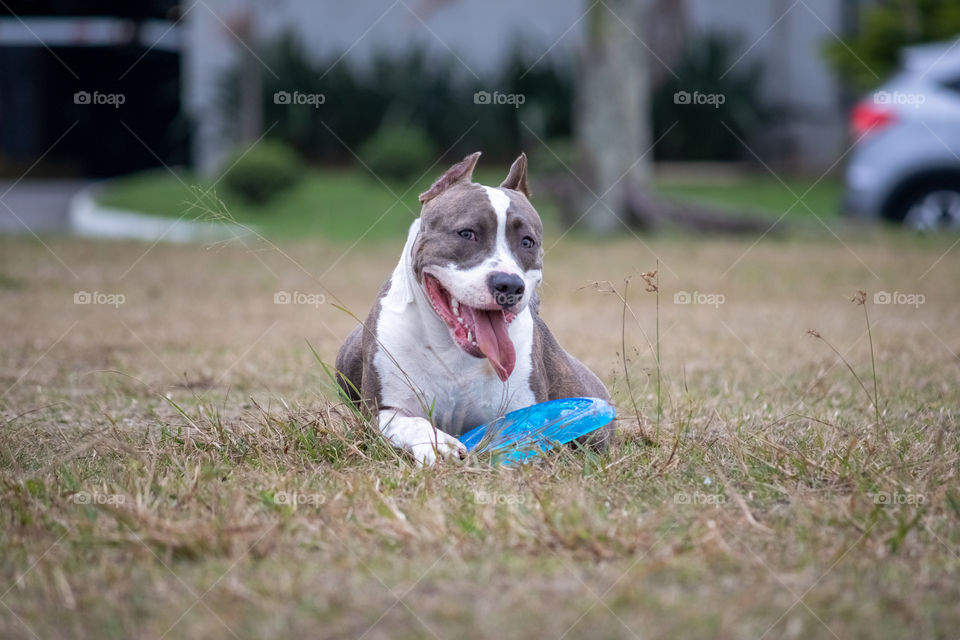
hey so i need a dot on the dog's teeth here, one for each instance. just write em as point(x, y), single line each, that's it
point(470, 336)
point(455, 306)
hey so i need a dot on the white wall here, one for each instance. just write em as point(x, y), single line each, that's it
point(481, 32)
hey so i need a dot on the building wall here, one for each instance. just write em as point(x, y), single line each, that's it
point(480, 33)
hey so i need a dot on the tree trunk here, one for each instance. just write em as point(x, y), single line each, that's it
point(668, 41)
point(612, 128)
point(244, 29)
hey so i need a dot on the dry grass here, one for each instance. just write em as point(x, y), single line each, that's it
point(150, 454)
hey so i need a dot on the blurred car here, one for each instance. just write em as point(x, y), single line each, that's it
point(905, 166)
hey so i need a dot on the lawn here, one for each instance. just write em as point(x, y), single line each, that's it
point(793, 197)
point(335, 203)
point(174, 465)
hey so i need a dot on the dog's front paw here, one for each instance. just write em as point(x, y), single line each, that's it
point(426, 444)
point(439, 446)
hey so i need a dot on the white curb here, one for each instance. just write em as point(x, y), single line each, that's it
point(87, 218)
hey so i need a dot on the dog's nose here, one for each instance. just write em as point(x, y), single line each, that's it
point(506, 288)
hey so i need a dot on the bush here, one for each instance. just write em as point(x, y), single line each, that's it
point(258, 174)
point(695, 130)
point(398, 153)
point(411, 86)
point(555, 156)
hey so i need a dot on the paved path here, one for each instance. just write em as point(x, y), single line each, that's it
point(40, 204)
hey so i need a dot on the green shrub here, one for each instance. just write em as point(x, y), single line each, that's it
point(410, 86)
point(695, 132)
point(258, 174)
point(398, 153)
point(883, 29)
point(555, 156)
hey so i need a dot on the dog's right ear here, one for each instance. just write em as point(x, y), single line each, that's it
point(517, 178)
point(460, 172)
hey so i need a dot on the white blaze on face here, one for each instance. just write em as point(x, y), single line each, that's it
point(503, 259)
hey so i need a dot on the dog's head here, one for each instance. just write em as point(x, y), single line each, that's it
point(478, 257)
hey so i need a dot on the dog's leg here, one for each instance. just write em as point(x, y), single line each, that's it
point(416, 435)
point(350, 365)
point(560, 375)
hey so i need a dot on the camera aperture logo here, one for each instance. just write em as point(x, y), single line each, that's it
point(513, 99)
point(298, 98)
point(97, 98)
point(711, 299)
point(898, 297)
point(111, 299)
point(299, 297)
point(696, 98)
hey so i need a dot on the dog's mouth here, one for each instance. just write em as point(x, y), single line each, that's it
point(480, 332)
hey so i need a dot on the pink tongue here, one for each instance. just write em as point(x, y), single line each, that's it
point(494, 341)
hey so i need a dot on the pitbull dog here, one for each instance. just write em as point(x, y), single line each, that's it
point(454, 339)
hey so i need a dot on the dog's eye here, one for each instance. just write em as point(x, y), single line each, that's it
point(468, 234)
point(528, 242)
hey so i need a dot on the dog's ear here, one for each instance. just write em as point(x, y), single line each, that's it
point(517, 178)
point(460, 172)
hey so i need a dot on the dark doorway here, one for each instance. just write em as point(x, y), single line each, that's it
point(90, 94)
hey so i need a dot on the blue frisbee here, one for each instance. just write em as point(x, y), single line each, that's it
point(528, 432)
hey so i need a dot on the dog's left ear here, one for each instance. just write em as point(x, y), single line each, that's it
point(517, 178)
point(460, 172)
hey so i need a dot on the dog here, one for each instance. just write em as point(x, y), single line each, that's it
point(454, 339)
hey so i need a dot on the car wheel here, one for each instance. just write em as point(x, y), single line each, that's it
point(934, 210)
